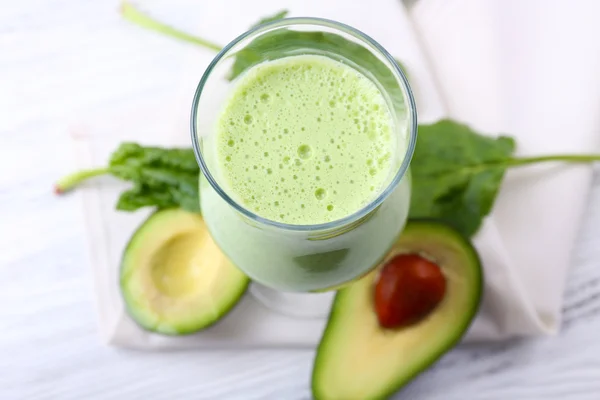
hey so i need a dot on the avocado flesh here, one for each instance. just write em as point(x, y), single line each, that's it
point(357, 359)
point(174, 278)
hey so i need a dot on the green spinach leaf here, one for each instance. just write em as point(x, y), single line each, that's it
point(456, 174)
point(131, 13)
point(275, 17)
point(161, 178)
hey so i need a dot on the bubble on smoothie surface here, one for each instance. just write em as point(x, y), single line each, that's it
point(306, 138)
point(304, 151)
point(320, 193)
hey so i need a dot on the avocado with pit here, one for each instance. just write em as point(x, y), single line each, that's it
point(174, 279)
point(359, 359)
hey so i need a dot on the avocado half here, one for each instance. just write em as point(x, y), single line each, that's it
point(174, 279)
point(357, 359)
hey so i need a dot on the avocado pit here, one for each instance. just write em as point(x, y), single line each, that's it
point(408, 289)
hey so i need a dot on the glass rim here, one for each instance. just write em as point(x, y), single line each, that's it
point(363, 211)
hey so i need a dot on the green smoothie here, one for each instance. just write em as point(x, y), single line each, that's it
point(305, 140)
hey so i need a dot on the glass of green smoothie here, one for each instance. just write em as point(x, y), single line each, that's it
point(304, 129)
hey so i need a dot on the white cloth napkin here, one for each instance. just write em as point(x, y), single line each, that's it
point(485, 78)
point(529, 69)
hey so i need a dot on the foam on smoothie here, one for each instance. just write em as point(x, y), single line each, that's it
point(304, 140)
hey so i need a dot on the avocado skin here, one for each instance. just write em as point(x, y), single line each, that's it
point(329, 338)
point(130, 309)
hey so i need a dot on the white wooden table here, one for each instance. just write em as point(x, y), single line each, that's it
point(63, 59)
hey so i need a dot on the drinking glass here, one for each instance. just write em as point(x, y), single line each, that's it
point(284, 258)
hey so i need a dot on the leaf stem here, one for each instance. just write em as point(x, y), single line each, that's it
point(70, 181)
point(131, 13)
point(570, 158)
